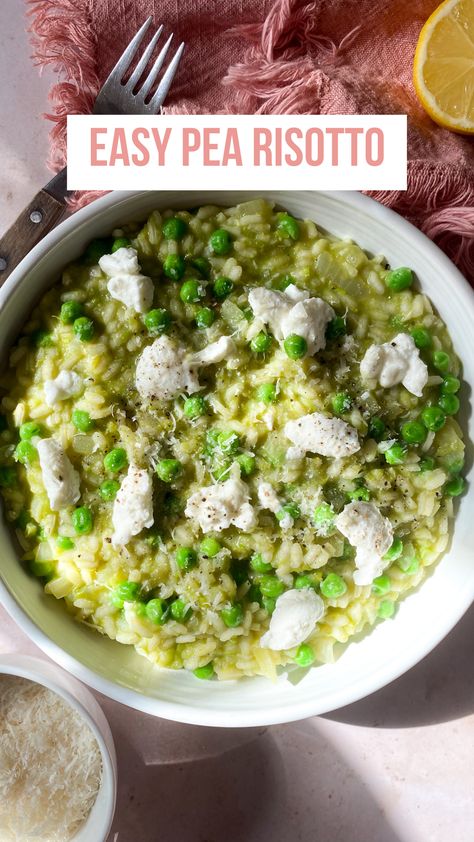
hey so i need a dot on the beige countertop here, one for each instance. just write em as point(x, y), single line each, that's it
point(395, 767)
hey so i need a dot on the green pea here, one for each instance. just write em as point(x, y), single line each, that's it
point(450, 385)
point(3, 424)
point(97, 248)
point(381, 585)
point(258, 564)
point(125, 592)
point(408, 565)
point(42, 569)
point(271, 586)
point(261, 342)
point(268, 604)
point(395, 550)
point(246, 462)
point(191, 291)
point(454, 487)
point(84, 328)
point(449, 404)
point(108, 489)
point(42, 339)
point(64, 543)
point(413, 432)
point(25, 453)
point(156, 611)
point(433, 418)
point(295, 346)
point(220, 241)
point(341, 402)
point(210, 547)
point(233, 616)
point(82, 421)
point(386, 609)
point(201, 265)
point(195, 407)
point(205, 317)
point(333, 586)
point(120, 243)
point(222, 287)
point(376, 428)
point(267, 393)
point(174, 228)
point(399, 279)
point(323, 517)
point(186, 558)
point(180, 611)
point(157, 321)
point(228, 441)
point(421, 337)
point(360, 493)
point(427, 464)
point(336, 328)
point(174, 266)
point(8, 476)
point(70, 311)
point(290, 509)
point(30, 429)
point(115, 459)
point(206, 672)
point(441, 361)
point(287, 226)
point(303, 581)
point(82, 520)
point(454, 464)
point(168, 469)
point(304, 656)
point(395, 455)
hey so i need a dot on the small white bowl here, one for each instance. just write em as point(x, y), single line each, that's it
point(369, 662)
point(97, 826)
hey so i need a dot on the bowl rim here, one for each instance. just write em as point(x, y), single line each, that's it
point(52, 676)
point(236, 716)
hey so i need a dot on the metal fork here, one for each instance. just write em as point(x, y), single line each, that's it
point(117, 95)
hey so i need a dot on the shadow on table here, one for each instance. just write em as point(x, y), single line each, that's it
point(273, 786)
point(438, 689)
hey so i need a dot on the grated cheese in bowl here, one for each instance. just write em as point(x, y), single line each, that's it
point(50, 764)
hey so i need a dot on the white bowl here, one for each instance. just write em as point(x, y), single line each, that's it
point(367, 664)
point(99, 821)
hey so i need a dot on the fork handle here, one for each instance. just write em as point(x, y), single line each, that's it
point(39, 217)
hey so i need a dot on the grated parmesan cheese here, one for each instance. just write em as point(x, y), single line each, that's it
point(50, 764)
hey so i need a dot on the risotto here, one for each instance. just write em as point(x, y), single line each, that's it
point(229, 439)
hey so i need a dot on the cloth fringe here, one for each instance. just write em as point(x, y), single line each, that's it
point(288, 67)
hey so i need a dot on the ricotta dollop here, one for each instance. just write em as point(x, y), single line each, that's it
point(293, 311)
point(397, 361)
point(66, 385)
point(60, 479)
point(268, 499)
point(370, 533)
point(216, 507)
point(293, 620)
point(315, 433)
point(164, 370)
point(126, 283)
point(133, 506)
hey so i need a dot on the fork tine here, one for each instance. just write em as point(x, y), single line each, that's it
point(128, 54)
point(149, 81)
point(144, 60)
point(165, 84)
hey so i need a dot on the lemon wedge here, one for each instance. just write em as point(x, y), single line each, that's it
point(443, 70)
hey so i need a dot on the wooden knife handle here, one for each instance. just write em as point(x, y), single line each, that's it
point(41, 215)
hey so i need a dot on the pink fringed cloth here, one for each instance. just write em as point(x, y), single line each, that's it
point(284, 56)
